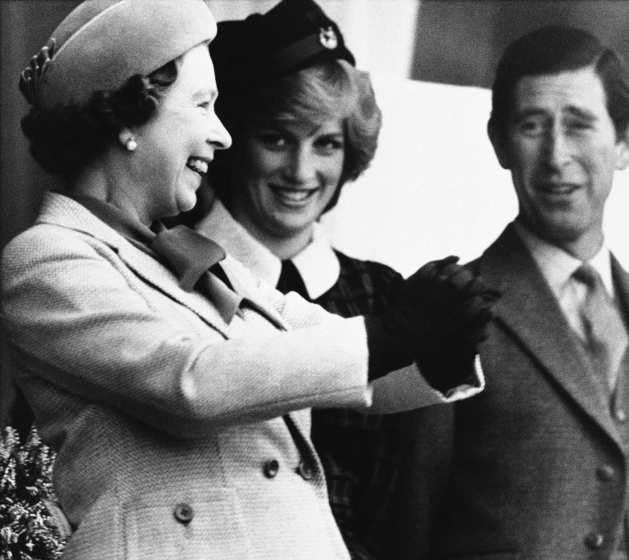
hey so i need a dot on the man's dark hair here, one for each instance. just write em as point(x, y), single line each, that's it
point(65, 138)
point(555, 49)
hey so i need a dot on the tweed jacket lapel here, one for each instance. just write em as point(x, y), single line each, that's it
point(529, 310)
point(621, 285)
point(63, 211)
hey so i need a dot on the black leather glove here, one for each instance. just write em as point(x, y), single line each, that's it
point(437, 317)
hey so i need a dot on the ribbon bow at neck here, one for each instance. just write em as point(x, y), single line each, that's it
point(192, 257)
point(188, 254)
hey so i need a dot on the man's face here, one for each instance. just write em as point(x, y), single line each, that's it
point(562, 150)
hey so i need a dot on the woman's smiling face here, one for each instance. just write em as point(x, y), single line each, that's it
point(289, 171)
point(178, 143)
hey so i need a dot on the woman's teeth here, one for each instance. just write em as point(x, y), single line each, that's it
point(293, 195)
point(198, 165)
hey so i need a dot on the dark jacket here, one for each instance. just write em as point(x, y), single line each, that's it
point(535, 467)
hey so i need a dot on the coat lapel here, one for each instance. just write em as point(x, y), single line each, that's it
point(162, 279)
point(621, 285)
point(530, 311)
point(66, 212)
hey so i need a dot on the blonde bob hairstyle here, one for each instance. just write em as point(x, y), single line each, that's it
point(330, 89)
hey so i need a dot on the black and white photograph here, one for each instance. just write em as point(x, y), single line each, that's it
point(314, 280)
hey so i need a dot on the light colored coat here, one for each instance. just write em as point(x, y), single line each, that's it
point(161, 412)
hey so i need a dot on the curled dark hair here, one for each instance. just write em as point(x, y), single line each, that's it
point(330, 89)
point(555, 49)
point(65, 138)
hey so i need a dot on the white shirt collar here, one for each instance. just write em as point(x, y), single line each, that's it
point(557, 266)
point(317, 263)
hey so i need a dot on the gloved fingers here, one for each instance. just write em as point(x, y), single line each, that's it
point(427, 271)
point(466, 282)
point(457, 277)
point(450, 259)
point(453, 314)
point(476, 306)
point(476, 328)
point(460, 325)
point(432, 269)
point(450, 321)
point(482, 317)
point(447, 267)
point(477, 286)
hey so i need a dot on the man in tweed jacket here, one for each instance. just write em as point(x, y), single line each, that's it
point(537, 467)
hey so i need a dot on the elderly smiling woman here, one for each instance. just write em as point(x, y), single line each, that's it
point(174, 386)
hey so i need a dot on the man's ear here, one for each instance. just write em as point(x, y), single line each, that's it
point(496, 136)
point(622, 151)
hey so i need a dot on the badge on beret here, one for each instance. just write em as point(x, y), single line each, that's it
point(328, 38)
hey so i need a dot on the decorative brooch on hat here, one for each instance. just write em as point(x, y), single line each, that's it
point(328, 38)
point(31, 76)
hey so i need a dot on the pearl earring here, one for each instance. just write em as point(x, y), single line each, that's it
point(130, 144)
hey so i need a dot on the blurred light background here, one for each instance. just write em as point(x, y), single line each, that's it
point(434, 187)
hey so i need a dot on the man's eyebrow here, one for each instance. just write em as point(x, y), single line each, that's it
point(573, 110)
point(581, 113)
point(526, 112)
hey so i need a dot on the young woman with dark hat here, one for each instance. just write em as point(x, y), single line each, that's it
point(174, 386)
point(304, 121)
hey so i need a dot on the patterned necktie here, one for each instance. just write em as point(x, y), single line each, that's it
point(290, 280)
point(605, 333)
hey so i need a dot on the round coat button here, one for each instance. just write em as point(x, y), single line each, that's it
point(594, 541)
point(271, 468)
point(183, 513)
point(306, 470)
point(605, 473)
point(620, 415)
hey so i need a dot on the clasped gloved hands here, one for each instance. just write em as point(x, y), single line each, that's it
point(437, 317)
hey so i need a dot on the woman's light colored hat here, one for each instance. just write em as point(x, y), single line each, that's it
point(102, 43)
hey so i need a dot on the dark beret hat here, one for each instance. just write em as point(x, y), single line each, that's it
point(291, 36)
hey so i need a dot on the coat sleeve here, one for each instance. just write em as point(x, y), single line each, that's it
point(406, 389)
point(74, 318)
point(400, 390)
